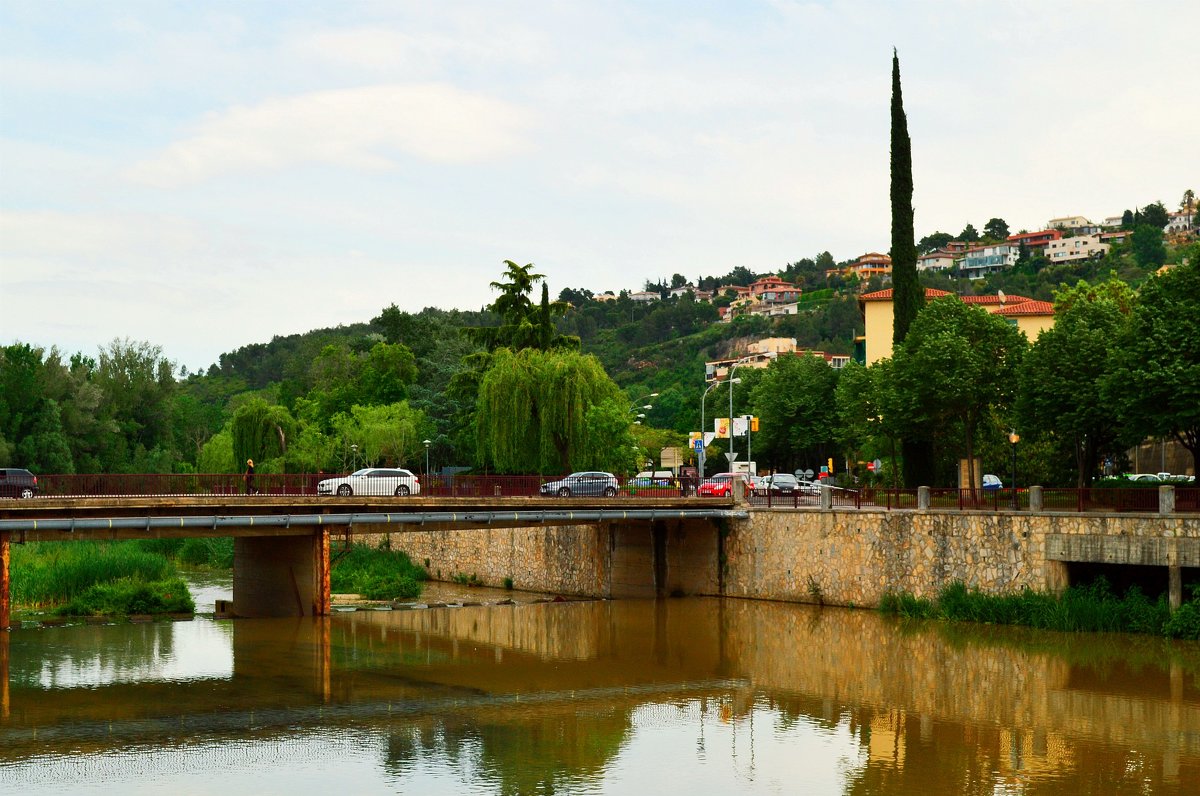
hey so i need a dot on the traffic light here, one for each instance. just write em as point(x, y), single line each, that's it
point(831, 464)
point(754, 424)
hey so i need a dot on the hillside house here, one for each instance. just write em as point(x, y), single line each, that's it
point(980, 261)
point(939, 260)
point(1029, 316)
point(1080, 247)
point(1035, 241)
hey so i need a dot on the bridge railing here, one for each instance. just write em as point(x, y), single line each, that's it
point(436, 485)
point(1097, 499)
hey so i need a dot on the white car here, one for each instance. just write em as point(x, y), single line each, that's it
point(372, 481)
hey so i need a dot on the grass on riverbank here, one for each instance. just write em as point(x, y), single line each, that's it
point(96, 579)
point(377, 573)
point(1092, 608)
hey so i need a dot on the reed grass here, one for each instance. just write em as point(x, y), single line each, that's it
point(1091, 608)
point(47, 573)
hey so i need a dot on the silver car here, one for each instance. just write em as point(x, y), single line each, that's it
point(373, 481)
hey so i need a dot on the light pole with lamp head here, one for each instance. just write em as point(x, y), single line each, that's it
point(1014, 438)
point(701, 458)
point(426, 443)
point(732, 381)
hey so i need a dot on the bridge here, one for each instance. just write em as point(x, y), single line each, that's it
point(282, 543)
point(649, 542)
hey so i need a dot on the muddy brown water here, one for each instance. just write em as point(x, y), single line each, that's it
point(691, 695)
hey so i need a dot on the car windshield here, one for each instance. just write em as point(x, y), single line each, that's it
point(783, 479)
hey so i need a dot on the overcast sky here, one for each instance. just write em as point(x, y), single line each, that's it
point(207, 175)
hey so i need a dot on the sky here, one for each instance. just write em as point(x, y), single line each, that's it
point(203, 176)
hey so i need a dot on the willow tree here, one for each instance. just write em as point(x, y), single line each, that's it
point(259, 431)
point(532, 410)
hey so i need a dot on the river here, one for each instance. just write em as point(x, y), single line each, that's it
point(690, 695)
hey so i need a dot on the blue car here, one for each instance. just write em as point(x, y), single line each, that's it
point(991, 483)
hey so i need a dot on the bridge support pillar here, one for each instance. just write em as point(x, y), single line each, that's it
point(281, 575)
point(5, 604)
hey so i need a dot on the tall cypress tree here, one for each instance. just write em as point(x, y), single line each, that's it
point(908, 295)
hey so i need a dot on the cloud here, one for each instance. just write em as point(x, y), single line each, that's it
point(362, 128)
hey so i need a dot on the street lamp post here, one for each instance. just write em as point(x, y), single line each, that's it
point(701, 458)
point(353, 458)
point(1014, 438)
point(426, 443)
point(732, 382)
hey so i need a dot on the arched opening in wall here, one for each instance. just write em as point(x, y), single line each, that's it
point(1153, 581)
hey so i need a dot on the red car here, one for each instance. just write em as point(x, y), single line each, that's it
point(720, 485)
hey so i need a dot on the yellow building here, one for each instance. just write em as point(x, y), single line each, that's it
point(1029, 316)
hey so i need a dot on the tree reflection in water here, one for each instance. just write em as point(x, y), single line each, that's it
point(543, 750)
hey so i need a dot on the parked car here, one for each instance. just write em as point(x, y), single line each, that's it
point(991, 482)
point(720, 485)
point(372, 481)
point(590, 483)
point(16, 482)
point(653, 478)
point(778, 484)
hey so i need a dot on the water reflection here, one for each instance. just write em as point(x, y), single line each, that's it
point(711, 696)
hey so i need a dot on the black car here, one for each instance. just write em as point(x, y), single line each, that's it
point(17, 483)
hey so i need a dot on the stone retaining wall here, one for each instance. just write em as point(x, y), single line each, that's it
point(849, 557)
point(854, 557)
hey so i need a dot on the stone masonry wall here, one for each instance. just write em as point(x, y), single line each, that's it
point(854, 557)
point(850, 557)
point(572, 559)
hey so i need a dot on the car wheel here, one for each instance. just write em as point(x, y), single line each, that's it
point(610, 492)
point(345, 491)
point(402, 491)
point(727, 492)
point(26, 493)
point(564, 492)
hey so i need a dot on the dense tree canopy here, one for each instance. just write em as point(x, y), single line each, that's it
point(1064, 371)
point(1154, 384)
point(957, 366)
point(794, 401)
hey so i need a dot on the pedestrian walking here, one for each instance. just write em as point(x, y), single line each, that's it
point(250, 489)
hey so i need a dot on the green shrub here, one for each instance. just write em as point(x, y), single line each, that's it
point(390, 587)
point(1185, 622)
point(366, 570)
point(131, 596)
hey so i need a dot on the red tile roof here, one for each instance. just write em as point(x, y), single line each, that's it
point(1026, 308)
point(886, 295)
point(1008, 300)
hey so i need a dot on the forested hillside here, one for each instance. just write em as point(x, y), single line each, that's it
point(373, 392)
